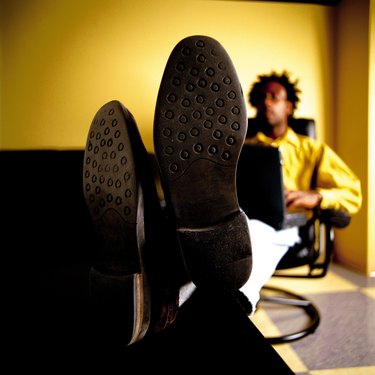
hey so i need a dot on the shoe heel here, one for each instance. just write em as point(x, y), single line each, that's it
point(120, 304)
point(219, 254)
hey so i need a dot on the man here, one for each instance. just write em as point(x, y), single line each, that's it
point(275, 98)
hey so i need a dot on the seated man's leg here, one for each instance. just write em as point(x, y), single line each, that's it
point(268, 247)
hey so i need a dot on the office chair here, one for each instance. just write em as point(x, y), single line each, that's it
point(315, 251)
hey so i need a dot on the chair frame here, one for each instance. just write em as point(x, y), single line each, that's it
point(325, 221)
point(317, 259)
point(286, 297)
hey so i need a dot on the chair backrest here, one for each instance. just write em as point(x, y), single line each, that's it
point(304, 126)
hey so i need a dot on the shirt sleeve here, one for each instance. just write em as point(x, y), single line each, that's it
point(338, 185)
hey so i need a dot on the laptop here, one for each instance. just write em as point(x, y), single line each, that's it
point(260, 187)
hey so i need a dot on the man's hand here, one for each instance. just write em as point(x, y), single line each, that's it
point(302, 199)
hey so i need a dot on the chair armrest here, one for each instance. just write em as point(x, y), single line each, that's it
point(335, 218)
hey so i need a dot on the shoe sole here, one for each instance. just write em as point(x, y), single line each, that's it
point(114, 198)
point(199, 128)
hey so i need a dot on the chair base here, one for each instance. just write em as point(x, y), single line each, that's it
point(285, 297)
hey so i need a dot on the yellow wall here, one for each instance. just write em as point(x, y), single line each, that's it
point(352, 141)
point(371, 147)
point(63, 59)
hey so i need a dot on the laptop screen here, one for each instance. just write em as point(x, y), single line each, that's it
point(260, 187)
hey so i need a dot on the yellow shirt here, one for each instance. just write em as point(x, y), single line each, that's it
point(336, 182)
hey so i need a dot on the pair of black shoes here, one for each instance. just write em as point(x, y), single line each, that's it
point(147, 252)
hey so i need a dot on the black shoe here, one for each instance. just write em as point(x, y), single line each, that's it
point(129, 284)
point(199, 129)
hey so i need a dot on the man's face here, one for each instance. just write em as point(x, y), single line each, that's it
point(273, 106)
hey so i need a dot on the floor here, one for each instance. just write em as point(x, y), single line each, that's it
point(344, 341)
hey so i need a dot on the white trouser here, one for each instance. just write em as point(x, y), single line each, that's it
point(268, 247)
